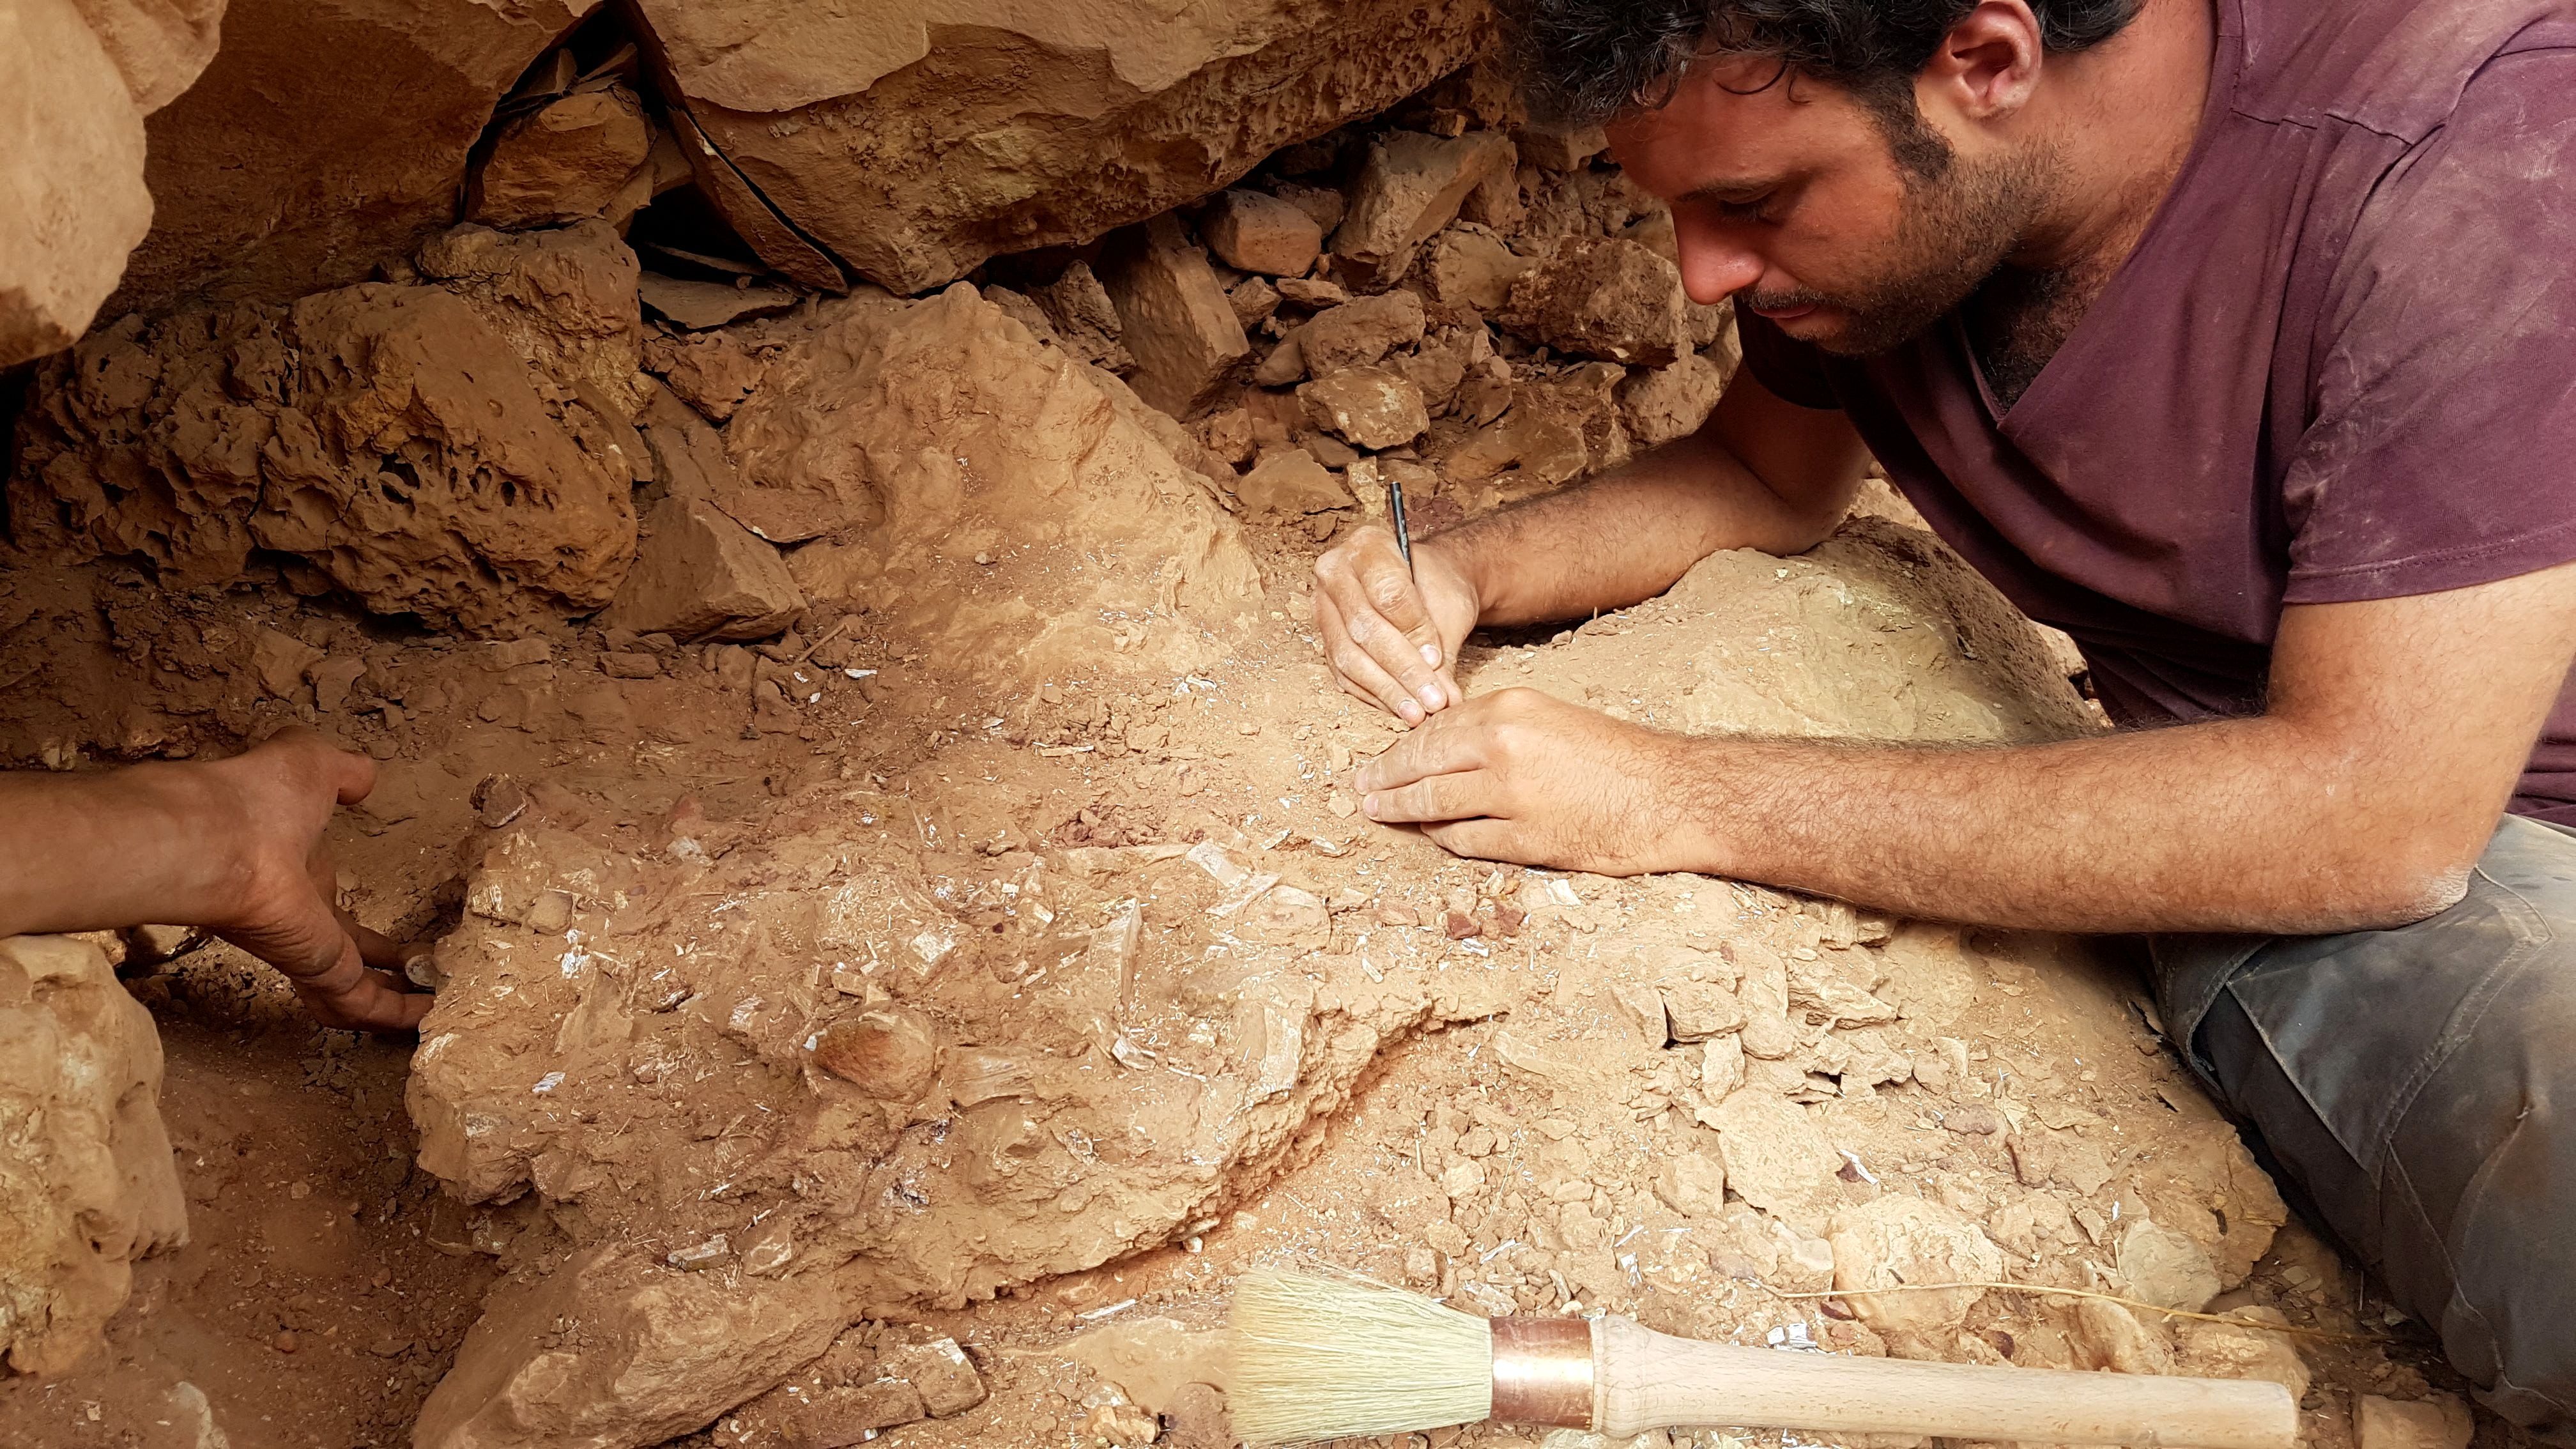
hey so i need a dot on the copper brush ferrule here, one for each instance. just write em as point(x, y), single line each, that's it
point(1543, 1372)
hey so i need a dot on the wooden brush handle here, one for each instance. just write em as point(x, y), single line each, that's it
point(1648, 1380)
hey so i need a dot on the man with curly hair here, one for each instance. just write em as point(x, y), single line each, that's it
point(2237, 338)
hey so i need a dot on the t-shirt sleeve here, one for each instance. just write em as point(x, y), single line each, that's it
point(2442, 447)
point(1793, 370)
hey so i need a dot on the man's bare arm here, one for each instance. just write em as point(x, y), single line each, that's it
point(1762, 473)
point(2361, 798)
point(234, 845)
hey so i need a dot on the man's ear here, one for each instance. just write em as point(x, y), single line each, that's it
point(1988, 64)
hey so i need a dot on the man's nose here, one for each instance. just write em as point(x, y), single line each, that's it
point(1715, 265)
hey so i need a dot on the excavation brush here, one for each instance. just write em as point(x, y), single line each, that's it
point(1323, 1358)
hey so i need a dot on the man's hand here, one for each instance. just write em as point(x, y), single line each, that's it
point(1522, 776)
point(276, 801)
point(1391, 636)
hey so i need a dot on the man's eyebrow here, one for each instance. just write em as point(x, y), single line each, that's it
point(1727, 187)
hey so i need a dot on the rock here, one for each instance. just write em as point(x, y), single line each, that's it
point(1642, 1007)
point(1253, 301)
point(1226, 436)
point(1470, 267)
point(1290, 484)
point(1253, 231)
point(1911, 1240)
point(1410, 187)
point(578, 156)
point(1086, 321)
point(1671, 402)
point(1776, 1157)
point(1360, 333)
point(2108, 1336)
point(712, 374)
point(1314, 292)
point(280, 660)
point(564, 300)
point(917, 143)
point(2436, 1421)
point(1283, 366)
point(2165, 1267)
point(1764, 994)
point(889, 1055)
point(1370, 407)
point(1701, 1009)
point(1555, 146)
point(1692, 1183)
point(1603, 298)
point(391, 436)
point(1070, 484)
point(87, 1184)
point(1173, 317)
point(331, 679)
point(319, 144)
point(612, 1352)
point(698, 306)
point(1324, 204)
point(2219, 1350)
point(74, 175)
point(1721, 1066)
point(940, 1371)
point(698, 574)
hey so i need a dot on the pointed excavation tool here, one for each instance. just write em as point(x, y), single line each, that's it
point(1324, 1358)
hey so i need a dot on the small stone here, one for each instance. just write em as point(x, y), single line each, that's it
point(1973, 1120)
point(941, 1372)
point(1461, 926)
point(1671, 402)
point(1601, 297)
point(1226, 435)
point(2220, 1350)
point(630, 666)
point(2438, 1421)
point(1895, 1240)
point(1086, 320)
point(1254, 300)
point(2166, 1267)
point(1642, 1006)
point(1290, 483)
point(569, 160)
point(280, 661)
point(285, 1342)
point(889, 1055)
point(1361, 332)
point(1371, 407)
point(1701, 1010)
point(2108, 1336)
point(1252, 231)
point(1692, 1184)
point(1315, 292)
point(700, 575)
point(498, 801)
point(1325, 204)
point(1559, 147)
point(1447, 1237)
point(1409, 188)
point(331, 679)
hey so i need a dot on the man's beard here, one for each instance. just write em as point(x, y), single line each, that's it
point(1955, 231)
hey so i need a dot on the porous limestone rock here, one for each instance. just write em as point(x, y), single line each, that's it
point(77, 78)
point(572, 158)
point(324, 140)
point(457, 453)
point(86, 1180)
point(1897, 1239)
point(1359, 333)
point(940, 430)
point(1602, 297)
point(914, 145)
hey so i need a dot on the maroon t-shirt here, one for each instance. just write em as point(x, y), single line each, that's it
point(2340, 365)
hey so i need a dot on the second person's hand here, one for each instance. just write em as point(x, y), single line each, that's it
point(1390, 634)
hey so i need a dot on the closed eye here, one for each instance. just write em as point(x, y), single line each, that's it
point(1743, 210)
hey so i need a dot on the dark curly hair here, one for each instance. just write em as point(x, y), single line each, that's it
point(1588, 60)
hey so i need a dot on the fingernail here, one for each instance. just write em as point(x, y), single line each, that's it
point(1430, 696)
point(1431, 655)
point(1408, 711)
point(1368, 804)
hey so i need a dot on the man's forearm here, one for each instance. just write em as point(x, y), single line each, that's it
point(2243, 825)
point(1624, 536)
point(90, 852)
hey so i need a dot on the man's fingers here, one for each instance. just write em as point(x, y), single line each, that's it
point(1356, 667)
point(374, 947)
point(1380, 610)
point(1444, 750)
point(1437, 797)
point(1480, 839)
point(373, 1002)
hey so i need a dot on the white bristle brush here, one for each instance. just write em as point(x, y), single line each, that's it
point(1325, 1358)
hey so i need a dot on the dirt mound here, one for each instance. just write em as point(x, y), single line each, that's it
point(1002, 506)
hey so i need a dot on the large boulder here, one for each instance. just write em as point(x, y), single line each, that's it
point(323, 140)
point(916, 141)
point(76, 79)
point(996, 501)
point(86, 1181)
point(447, 451)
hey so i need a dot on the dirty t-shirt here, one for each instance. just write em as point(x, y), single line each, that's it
point(2340, 365)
